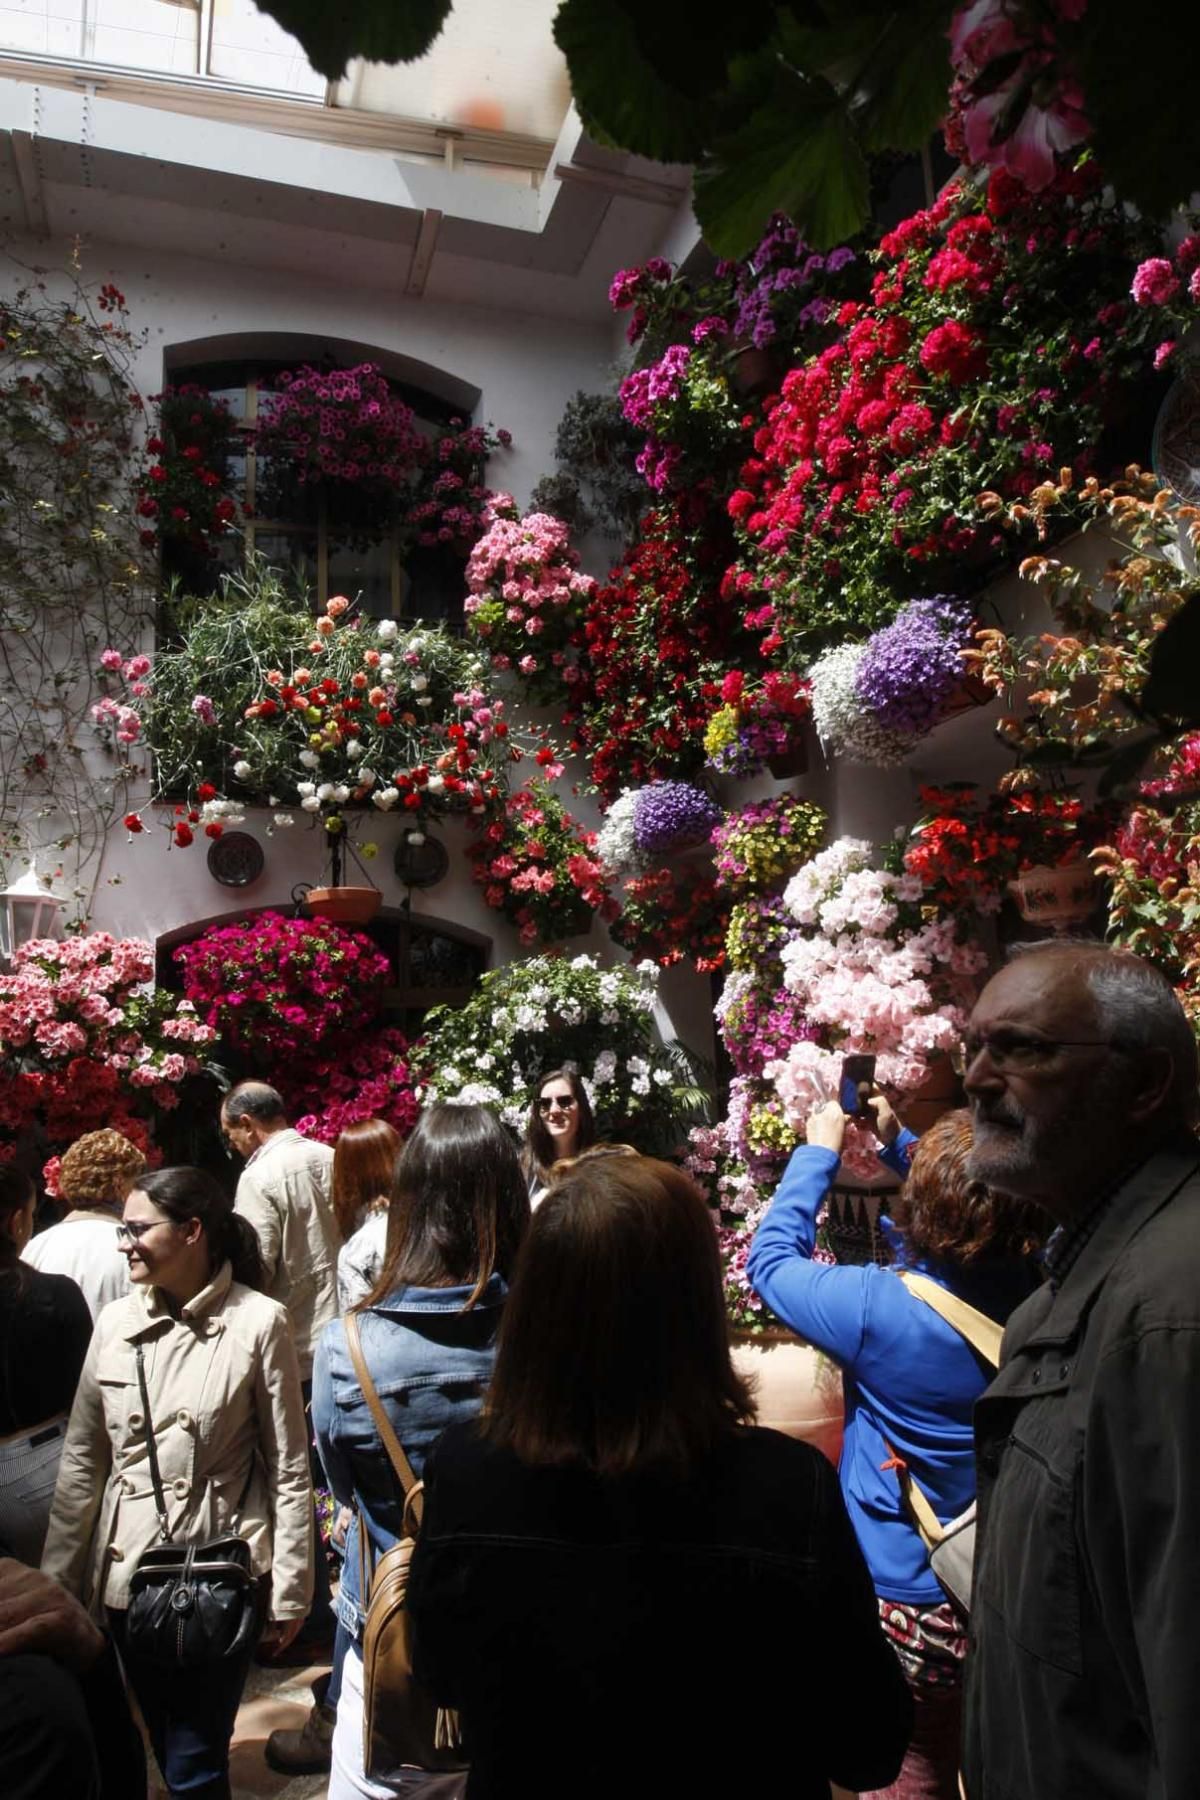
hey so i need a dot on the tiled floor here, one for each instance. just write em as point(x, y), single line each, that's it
point(273, 1697)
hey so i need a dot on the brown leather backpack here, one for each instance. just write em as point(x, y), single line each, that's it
point(402, 1723)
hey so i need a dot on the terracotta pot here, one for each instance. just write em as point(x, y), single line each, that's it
point(939, 1093)
point(344, 905)
point(970, 693)
point(798, 1390)
point(1056, 897)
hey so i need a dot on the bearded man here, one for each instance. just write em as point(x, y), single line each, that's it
point(1084, 1666)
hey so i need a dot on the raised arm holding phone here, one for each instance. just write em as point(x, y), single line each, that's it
point(910, 1378)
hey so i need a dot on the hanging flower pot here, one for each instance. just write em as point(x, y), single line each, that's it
point(939, 1093)
point(345, 905)
point(791, 760)
point(1055, 897)
point(970, 693)
point(797, 1390)
point(754, 371)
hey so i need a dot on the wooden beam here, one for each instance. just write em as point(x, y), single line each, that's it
point(30, 183)
point(634, 187)
point(423, 249)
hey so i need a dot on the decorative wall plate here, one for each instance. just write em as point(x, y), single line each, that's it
point(421, 862)
point(235, 859)
point(1176, 448)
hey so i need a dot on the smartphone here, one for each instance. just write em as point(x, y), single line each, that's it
point(856, 1070)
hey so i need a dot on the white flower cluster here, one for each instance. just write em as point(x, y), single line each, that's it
point(491, 1051)
point(842, 721)
point(222, 812)
point(616, 843)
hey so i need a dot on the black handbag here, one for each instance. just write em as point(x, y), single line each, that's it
point(190, 1605)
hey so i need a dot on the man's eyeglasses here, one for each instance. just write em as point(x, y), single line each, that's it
point(1014, 1052)
point(555, 1103)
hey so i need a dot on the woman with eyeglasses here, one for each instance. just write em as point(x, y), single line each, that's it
point(910, 1380)
point(227, 1418)
point(560, 1126)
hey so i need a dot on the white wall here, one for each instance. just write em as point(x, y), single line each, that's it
point(525, 368)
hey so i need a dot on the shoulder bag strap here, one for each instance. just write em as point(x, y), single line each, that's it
point(982, 1333)
point(160, 1504)
point(383, 1424)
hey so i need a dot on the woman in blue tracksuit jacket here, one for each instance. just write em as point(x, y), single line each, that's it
point(910, 1380)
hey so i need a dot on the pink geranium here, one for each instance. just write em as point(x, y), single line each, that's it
point(85, 1041)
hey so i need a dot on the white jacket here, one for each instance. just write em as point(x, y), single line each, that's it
point(228, 1420)
point(284, 1192)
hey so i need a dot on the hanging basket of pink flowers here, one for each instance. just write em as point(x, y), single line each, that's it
point(537, 866)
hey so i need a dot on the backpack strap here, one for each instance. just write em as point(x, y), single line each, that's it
point(983, 1334)
point(391, 1443)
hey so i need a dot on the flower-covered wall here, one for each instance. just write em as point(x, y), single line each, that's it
point(806, 655)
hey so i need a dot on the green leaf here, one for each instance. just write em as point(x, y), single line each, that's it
point(620, 96)
point(796, 153)
point(1140, 93)
point(900, 99)
point(384, 31)
point(891, 65)
point(1172, 689)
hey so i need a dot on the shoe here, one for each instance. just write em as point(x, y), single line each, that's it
point(308, 1751)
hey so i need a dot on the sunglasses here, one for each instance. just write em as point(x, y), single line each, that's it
point(556, 1102)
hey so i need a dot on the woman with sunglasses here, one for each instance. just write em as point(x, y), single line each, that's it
point(560, 1126)
point(225, 1410)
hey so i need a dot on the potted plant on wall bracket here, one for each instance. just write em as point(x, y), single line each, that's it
point(343, 902)
point(335, 717)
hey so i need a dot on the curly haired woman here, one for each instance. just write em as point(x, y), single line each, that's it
point(95, 1175)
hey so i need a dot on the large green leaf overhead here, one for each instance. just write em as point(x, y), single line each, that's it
point(780, 103)
point(333, 32)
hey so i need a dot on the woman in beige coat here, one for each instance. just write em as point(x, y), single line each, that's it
point(229, 1430)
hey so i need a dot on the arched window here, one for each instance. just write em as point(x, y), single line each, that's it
point(292, 525)
point(432, 962)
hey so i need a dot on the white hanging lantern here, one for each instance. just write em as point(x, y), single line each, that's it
point(27, 911)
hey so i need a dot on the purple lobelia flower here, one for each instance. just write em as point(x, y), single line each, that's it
point(909, 670)
point(669, 814)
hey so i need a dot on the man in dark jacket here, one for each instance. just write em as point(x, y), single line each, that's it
point(1084, 1671)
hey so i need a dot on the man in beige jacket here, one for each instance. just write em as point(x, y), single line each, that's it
point(284, 1192)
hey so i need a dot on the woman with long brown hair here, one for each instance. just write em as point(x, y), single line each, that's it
point(613, 1536)
point(364, 1169)
point(560, 1125)
point(427, 1329)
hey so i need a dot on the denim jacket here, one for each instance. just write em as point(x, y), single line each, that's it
point(431, 1363)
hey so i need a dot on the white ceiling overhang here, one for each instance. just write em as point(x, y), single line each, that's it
point(141, 160)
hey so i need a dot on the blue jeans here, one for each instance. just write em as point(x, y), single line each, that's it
point(189, 1715)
